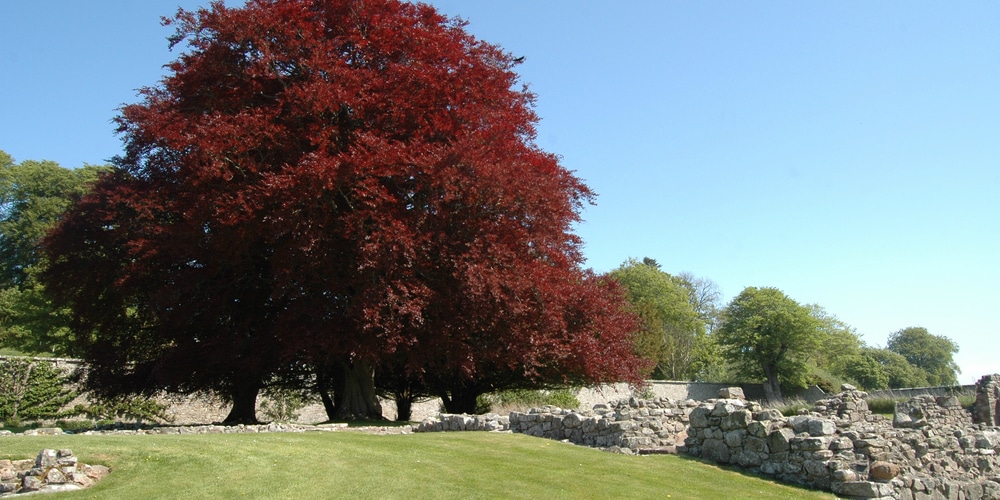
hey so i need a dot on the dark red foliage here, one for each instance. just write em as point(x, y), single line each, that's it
point(335, 180)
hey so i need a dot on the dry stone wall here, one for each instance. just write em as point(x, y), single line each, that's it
point(930, 450)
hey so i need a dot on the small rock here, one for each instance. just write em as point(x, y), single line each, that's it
point(883, 471)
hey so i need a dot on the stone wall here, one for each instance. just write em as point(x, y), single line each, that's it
point(934, 450)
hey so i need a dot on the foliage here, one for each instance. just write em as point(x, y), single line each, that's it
point(670, 325)
point(523, 399)
point(792, 406)
point(117, 408)
point(336, 184)
point(461, 464)
point(867, 369)
point(282, 404)
point(930, 353)
point(31, 390)
point(769, 336)
point(705, 298)
point(33, 197)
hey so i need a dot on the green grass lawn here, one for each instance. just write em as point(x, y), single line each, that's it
point(358, 465)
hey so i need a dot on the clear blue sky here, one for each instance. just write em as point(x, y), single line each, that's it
point(847, 153)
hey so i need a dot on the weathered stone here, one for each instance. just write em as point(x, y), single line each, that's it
point(778, 440)
point(883, 471)
point(699, 417)
point(31, 483)
point(862, 489)
point(715, 450)
point(738, 419)
point(731, 393)
point(821, 427)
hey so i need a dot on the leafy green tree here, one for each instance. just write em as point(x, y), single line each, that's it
point(930, 353)
point(770, 336)
point(900, 372)
point(867, 370)
point(670, 326)
point(33, 197)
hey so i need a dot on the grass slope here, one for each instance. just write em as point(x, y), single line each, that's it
point(357, 465)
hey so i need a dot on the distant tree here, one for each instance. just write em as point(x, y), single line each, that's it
point(865, 367)
point(838, 350)
point(769, 336)
point(930, 353)
point(33, 197)
point(336, 184)
point(705, 298)
point(671, 327)
point(899, 372)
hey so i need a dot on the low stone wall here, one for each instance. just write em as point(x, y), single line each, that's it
point(934, 450)
point(643, 426)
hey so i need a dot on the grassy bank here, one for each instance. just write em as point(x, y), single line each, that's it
point(357, 465)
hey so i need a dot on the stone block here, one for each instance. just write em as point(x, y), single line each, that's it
point(778, 440)
point(821, 427)
point(699, 417)
point(734, 438)
point(862, 489)
point(738, 419)
point(731, 393)
point(715, 450)
point(883, 471)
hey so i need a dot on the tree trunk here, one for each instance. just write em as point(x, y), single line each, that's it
point(772, 389)
point(323, 388)
point(404, 405)
point(354, 396)
point(462, 400)
point(244, 395)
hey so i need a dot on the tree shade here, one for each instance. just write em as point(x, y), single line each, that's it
point(341, 184)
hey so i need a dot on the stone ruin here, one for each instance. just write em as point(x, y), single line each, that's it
point(51, 471)
point(931, 449)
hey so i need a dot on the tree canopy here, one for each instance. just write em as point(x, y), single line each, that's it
point(930, 353)
point(770, 336)
point(341, 184)
point(671, 327)
point(33, 197)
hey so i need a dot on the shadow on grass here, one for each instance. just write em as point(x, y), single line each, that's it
point(748, 473)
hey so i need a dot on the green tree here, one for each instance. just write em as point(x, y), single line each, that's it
point(705, 298)
point(930, 353)
point(670, 326)
point(770, 336)
point(33, 197)
point(898, 370)
point(865, 368)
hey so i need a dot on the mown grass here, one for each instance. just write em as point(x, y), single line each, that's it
point(358, 465)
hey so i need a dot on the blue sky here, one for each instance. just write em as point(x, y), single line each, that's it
point(847, 153)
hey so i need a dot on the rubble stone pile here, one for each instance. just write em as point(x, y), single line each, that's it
point(51, 471)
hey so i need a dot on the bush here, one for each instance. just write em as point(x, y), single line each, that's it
point(281, 404)
point(522, 399)
point(32, 390)
point(125, 407)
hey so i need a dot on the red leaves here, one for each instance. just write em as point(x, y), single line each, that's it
point(357, 177)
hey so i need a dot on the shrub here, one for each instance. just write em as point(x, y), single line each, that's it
point(281, 404)
point(125, 407)
point(32, 390)
point(522, 399)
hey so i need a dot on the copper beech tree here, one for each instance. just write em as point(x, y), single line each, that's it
point(342, 185)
